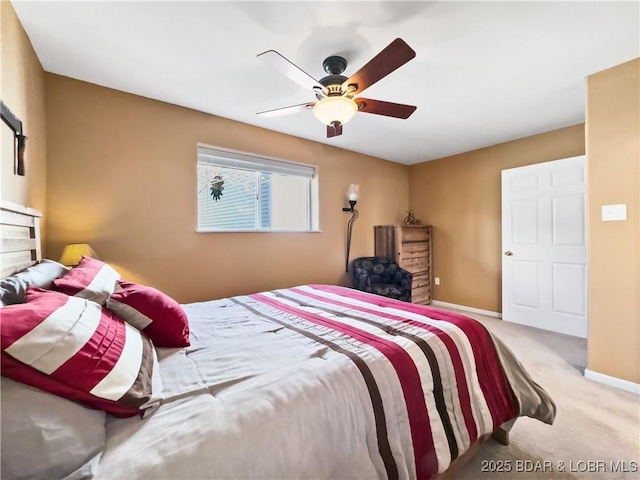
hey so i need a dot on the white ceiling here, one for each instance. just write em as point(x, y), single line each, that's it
point(484, 73)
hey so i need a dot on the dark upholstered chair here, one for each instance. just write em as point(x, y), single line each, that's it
point(382, 276)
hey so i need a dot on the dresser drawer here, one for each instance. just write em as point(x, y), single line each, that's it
point(415, 249)
point(415, 234)
point(421, 280)
point(421, 295)
point(415, 265)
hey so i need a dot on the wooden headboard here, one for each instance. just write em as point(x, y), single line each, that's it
point(19, 237)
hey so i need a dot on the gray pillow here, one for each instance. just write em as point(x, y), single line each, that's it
point(13, 289)
point(45, 436)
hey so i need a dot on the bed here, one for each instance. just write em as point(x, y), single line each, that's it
point(314, 381)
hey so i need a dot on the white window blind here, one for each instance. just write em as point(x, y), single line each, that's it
point(259, 194)
point(229, 158)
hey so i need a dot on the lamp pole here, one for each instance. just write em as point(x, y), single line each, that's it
point(352, 195)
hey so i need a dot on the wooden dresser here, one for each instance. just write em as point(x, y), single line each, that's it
point(411, 247)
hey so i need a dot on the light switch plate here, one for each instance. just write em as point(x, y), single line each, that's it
point(613, 213)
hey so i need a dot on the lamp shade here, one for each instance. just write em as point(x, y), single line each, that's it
point(335, 109)
point(353, 192)
point(72, 254)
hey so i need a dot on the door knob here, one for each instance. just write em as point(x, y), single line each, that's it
point(508, 253)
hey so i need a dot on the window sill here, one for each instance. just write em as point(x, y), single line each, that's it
point(258, 231)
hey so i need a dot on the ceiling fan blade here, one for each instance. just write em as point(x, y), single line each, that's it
point(396, 54)
point(334, 130)
point(278, 62)
point(379, 107)
point(278, 112)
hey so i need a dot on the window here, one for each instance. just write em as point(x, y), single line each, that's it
point(243, 192)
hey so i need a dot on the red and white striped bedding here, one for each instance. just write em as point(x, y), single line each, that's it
point(75, 349)
point(321, 381)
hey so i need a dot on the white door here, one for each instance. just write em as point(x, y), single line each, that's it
point(544, 248)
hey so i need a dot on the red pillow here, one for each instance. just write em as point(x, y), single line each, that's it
point(76, 349)
point(153, 312)
point(91, 279)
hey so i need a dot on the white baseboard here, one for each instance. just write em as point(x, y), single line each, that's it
point(612, 381)
point(488, 313)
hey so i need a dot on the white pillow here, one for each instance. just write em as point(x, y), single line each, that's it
point(45, 436)
point(13, 289)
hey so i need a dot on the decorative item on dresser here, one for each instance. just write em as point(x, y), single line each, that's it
point(411, 219)
point(411, 246)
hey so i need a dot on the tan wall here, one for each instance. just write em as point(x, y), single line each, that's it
point(122, 177)
point(460, 197)
point(22, 90)
point(613, 157)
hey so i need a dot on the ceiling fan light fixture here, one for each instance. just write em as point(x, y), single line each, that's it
point(335, 109)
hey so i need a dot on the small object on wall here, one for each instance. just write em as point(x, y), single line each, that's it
point(217, 187)
point(352, 196)
point(21, 140)
point(614, 213)
point(410, 219)
point(72, 254)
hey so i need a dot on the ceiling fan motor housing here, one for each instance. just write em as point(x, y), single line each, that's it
point(334, 66)
point(333, 84)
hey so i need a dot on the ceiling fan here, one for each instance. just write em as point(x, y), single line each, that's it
point(336, 104)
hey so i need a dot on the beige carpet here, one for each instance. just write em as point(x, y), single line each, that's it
point(596, 424)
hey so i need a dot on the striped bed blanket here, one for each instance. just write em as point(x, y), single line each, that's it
point(320, 381)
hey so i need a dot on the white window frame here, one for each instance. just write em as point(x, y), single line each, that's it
point(223, 157)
